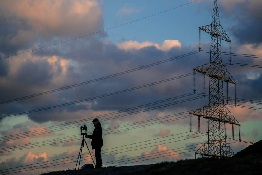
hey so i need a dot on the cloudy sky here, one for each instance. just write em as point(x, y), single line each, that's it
point(128, 63)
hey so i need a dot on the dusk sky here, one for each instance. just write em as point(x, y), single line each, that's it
point(128, 63)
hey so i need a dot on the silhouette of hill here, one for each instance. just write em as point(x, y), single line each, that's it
point(254, 151)
point(246, 162)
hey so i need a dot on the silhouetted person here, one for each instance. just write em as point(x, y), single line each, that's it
point(97, 142)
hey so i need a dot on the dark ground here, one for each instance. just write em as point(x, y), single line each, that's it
point(246, 162)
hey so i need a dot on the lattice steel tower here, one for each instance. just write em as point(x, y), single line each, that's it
point(216, 112)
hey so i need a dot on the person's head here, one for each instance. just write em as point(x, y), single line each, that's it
point(95, 121)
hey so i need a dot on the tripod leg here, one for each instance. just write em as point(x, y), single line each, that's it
point(79, 157)
point(78, 161)
point(90, 154)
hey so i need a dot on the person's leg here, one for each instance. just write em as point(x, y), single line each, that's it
point(98, 157)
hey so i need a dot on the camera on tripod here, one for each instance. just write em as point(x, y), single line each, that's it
point(84, 131)
point(84, 135)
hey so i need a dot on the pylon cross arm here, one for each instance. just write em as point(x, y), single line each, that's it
point(216, 113)
point(216, 30)
point(216, 71)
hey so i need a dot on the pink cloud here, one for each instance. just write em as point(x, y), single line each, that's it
point(88, 158)
point(39, 131)
point(54, 18)
point(35, 157)
point(23, 141)
point(16, 135)
point(251, 49)
point(57, 66)
point(243, 114)
point(134, 45)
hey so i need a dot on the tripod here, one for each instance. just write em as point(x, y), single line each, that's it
point(83, 143)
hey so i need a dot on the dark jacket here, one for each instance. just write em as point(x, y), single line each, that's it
point(97, 140)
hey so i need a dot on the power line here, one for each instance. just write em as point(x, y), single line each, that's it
point(61, 139)
point(118, 114)
point(32, 134)
point(151, 142)
point(64, 139)
point(135, 145)
point(107, 116)
point(236, 54)
point(115, 75)
point(189, 149)
point(26, 134)
point(67, 87)
point(59, 159)
point(155, 155)
point(100, 78)
point(259, 102)
point(76, 102)
point(109, 131)
point(99, 96)
point(241, 64)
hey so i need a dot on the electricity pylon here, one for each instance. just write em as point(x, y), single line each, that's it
point(216, 112)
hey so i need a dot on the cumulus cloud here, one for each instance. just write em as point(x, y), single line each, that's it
point(17, 164)
point(244, 114)
point(21, 137)
point(36, 131)
point(23, 133)
point(62, 66)
point(33, 21)
point(35, 157)
point(32, 74)
point(32, 163)
point(251, 49)
point(46, 69)
point(49, 17)
point(11, 142)
point(134, 45)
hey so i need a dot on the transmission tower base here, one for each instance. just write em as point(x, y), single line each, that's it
point(217, 150)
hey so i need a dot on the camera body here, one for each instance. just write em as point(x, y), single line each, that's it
point(83, 130)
